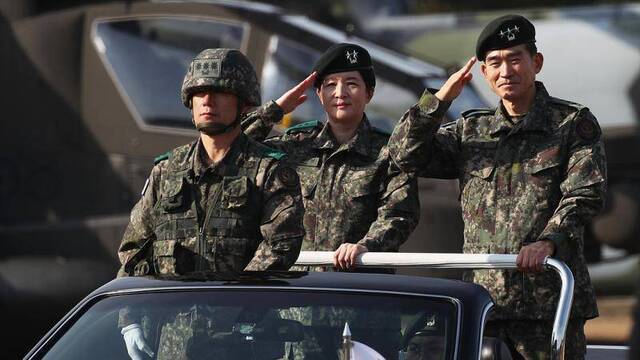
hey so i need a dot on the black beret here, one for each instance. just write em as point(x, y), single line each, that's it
point(345, 57)
point(505, 32)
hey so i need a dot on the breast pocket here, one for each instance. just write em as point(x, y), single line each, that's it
point(544, 169)
point(174, 217)
point(238, 211)
point(543, 176)
point(164, 256)
point(174, 196)
point(363, 183)
point(235, 192)
point(308, 171)
point(478, 169)
point(479, 158)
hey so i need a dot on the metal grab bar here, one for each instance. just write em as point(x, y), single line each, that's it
point(464, 261)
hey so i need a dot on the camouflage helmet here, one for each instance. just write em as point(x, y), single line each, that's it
point(226, 70)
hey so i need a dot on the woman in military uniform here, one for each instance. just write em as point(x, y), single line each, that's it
point(355, 199)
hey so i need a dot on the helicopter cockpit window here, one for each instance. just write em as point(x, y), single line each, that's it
point(288, 62)
point(147, 58)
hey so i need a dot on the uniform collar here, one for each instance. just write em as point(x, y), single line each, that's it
point(499, 122)
point(360, 143)
point(537, 119)
point(233, 157)
point(325, 139)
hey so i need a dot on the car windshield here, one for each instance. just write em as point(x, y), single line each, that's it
point(265, 324)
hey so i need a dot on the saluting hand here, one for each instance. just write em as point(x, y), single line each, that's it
point(345, 256)
point(290, 100)
point(456, 82)
point(531, 257)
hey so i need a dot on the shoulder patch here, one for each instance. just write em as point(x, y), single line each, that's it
point(288, 176)
point(305, 126)
point(587, 128)
point(477, 112)
point(162, 157)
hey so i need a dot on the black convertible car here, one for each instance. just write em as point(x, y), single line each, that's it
point(301, 315)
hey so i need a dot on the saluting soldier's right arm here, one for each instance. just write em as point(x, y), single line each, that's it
point(420, 145)
point(258, 124)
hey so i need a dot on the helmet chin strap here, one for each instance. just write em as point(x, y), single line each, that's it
point(219, 129)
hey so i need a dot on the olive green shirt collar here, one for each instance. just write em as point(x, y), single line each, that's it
point(360, 143)
point(537, 119)
point(201, 167)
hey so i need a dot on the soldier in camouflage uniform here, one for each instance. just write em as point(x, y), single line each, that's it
point(221, 203)
point(532, 173)
point(355, 199)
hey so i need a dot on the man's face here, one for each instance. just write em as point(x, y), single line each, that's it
point(344, 96)
point(213, 108)
point(511, 72)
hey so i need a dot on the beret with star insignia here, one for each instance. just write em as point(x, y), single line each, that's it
point(505, 32)
point(345, 57)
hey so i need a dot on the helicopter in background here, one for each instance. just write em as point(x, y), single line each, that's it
point(91, 96)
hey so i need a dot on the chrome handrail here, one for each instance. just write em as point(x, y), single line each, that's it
point(464, 261)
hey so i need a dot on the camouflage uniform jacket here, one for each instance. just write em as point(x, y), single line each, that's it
point(543, 177)
point(244, 213)
point(351, 192)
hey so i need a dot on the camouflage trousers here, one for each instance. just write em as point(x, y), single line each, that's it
point(531, 339)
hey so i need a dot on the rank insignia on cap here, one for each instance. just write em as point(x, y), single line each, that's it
point(206, 68)
point(503, 33)
point(509, 33)
point(345, 57)
point(352, 56)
